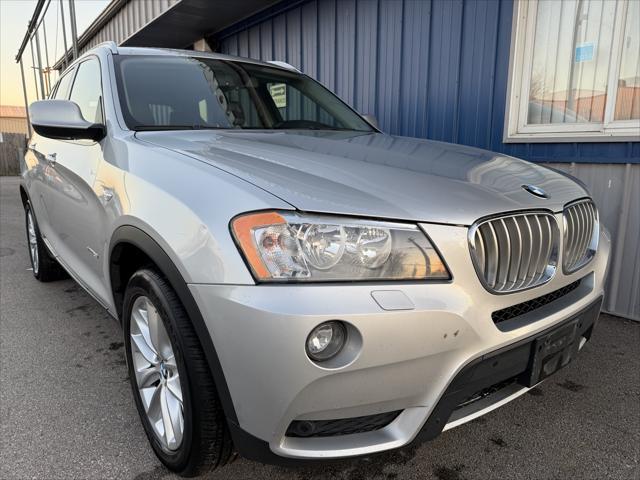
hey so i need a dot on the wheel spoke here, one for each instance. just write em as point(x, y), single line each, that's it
point(151, 401)
point(170, 362)
point(141, 323)
point(35, 258)
point(139, 343)
point(171, 418)
point(157, 332)
point(32, 230)
point(147, 375)
point(33, 242)
point(173, 385)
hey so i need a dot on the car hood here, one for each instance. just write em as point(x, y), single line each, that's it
point(374, 174)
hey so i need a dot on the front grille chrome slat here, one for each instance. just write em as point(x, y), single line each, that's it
point(547, 253)
point(480, 248)
point(588, 228)
point(590, 225)
point(494, 257)
point(580, 235)
point(505, 261)
point(570, 232)
point(516, 251)
point(538, 246)
point(579, 230)
point(523, 239)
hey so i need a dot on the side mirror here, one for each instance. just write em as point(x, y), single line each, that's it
point(63, 120)
point(372, 120)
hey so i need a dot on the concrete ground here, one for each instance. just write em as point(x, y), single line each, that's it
point(66, 409)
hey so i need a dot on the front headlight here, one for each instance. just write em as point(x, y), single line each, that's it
point(282, 246)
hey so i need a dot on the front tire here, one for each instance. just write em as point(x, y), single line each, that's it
point(173, 388)
point(45, 267)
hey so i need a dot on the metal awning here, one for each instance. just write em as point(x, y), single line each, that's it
point(180, 25)
point(191, 20)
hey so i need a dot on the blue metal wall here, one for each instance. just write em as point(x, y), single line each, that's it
point(426, 68)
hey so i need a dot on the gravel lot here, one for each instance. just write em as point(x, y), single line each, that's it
point(66, 409)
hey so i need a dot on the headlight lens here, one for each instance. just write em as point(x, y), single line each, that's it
point(294, 247)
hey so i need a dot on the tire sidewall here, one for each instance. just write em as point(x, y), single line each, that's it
point(143, 284)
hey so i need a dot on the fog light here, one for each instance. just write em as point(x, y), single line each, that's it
point(326, 340)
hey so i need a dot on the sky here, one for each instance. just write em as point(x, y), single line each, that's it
point(14, 18)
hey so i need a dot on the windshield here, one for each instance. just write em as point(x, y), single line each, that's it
point(167, 92)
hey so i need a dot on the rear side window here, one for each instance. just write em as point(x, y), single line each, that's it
point(62, 91)
point(87, 91)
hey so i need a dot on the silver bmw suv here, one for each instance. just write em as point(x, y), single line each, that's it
point(292, 283)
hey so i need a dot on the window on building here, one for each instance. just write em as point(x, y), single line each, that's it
point(87, 91)
point(575, 71)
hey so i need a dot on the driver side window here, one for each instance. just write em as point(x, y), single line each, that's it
point(87, 91)
point(62, 91)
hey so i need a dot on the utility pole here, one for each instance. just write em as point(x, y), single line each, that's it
point(46, 57)
point(33, 63)
point(26, 101)
point(74, 32)
point(64, 37)
point(42, 90)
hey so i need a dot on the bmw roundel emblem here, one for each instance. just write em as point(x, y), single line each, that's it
point(537, 191)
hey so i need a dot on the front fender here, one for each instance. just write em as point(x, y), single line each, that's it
point(185, 206)
point(134, 236)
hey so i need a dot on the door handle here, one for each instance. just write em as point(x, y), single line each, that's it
point(51, 158)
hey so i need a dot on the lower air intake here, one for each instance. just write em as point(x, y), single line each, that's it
point(342, 426)
point(513, 311)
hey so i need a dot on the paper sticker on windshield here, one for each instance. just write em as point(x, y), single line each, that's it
point(278, 92)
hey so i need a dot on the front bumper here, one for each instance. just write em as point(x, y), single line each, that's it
point(408, 360)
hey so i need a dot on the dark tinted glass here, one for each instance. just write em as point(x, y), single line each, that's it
point(164, 92)
point(62, 92)
point(87, 91)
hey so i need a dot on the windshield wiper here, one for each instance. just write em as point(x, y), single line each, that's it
point(333, 129)
point(146, 128)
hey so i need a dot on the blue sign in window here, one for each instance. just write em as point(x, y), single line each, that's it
point(584, 52)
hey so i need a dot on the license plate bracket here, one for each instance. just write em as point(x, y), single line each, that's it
point(553, 351)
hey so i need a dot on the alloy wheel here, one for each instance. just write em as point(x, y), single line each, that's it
point(33, 242)
point(156, 372)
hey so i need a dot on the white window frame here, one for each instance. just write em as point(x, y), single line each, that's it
point(516, 129)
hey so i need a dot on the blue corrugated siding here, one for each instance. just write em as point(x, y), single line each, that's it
point(426, 68)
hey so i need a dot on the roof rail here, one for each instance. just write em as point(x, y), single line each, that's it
point(286, 65)
point(110, 44)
